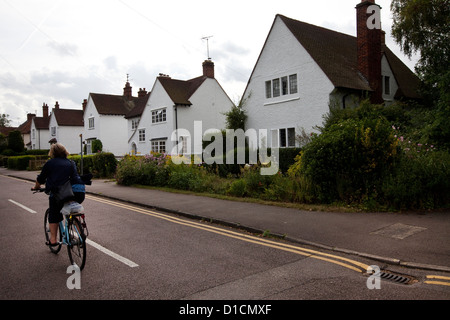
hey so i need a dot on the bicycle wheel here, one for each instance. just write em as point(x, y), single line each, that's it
point(54, 249)
point(77, 243)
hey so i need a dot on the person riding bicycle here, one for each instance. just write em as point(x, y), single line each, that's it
point(55, 173)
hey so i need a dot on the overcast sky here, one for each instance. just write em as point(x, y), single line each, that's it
point(59, 50)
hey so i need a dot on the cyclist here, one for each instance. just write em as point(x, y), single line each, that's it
point(56, 172)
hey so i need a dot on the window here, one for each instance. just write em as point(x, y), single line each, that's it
point(281, 86)
point(134, 124)
point(268, 89)
point(387, 85)
point(184, 149)
point(293, 83)
point(53, 131)
point(284, 86)
point(159, 146)
point(287, 137)
point(33, 134)
point(141, 135)
point(159, 115)
point(91, 123)
point(276, 87)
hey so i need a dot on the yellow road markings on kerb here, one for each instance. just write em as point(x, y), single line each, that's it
point(442, 283)
point(347, 263)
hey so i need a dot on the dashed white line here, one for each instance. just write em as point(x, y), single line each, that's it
point(22, 206)
point(112, 254)
point(90, 242)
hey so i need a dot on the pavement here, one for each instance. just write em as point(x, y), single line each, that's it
point(409, 239)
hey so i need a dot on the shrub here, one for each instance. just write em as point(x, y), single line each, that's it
point(237, 188)
point(15, 141)
point(19, 162)
point(151, 170)
point(348, 160)
point(419, 180)
point(185, 177)
point(100, 165)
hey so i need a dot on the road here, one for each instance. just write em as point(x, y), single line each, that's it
point(140, 254)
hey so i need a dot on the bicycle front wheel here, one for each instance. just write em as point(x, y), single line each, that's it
point(77, 243)
point(54, 249)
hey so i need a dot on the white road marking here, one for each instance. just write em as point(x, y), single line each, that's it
point(22, 206)
point(112, 254)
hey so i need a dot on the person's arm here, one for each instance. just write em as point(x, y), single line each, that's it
point(42, 177)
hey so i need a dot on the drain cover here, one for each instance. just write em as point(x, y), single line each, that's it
point(397, 278)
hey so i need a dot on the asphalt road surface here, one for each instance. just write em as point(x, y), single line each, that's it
point(139, 254)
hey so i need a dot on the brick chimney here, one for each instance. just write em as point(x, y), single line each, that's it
point(369, 40)
point(45, 110)
point(127, 92)
point(30, 116)
point(84, 104)
point(208, 68)
point(57, 105)
point(142, 92)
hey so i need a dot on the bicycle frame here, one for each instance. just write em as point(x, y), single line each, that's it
point(64, 229)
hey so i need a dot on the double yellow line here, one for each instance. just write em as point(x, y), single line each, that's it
point(438, 280)
point(344, 262)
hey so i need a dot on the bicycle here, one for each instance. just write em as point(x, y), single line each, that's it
point(72, 233)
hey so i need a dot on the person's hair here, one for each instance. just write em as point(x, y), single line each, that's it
point(57, 150)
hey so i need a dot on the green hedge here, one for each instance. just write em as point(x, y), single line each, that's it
point(20, 162)
point(100, 165)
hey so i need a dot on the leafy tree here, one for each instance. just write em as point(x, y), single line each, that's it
point(236, 117)
point(15, 141)
point(97, 146)
point(4, 121)
point(423, 26)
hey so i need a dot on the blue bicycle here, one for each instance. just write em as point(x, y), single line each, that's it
point(72, 233)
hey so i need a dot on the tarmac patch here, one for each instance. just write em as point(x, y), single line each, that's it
point(398, 231)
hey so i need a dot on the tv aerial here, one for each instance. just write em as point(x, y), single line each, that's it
point(207, 45)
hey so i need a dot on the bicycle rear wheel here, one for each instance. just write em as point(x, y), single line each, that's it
point(77, 243)
point(54, 249)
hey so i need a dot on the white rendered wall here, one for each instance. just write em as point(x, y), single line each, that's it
point(283, 55)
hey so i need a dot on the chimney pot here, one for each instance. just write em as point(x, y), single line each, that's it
point(142, 92)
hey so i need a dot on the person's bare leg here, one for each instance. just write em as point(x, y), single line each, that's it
point(53, 232)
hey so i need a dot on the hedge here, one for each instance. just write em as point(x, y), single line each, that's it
point(100, 165)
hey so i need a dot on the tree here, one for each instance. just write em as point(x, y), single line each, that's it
point(97, 146)
point(423, 26)
point(15, 141)
point(4, 121)
point(236, 117)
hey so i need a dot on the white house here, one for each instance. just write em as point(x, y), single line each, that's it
point(303, 68)
point(173, 107)
point(104, 120)
point(39, 130)
point(65, 126)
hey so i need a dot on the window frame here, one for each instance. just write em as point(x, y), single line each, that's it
point(141, 134)
point(158, 145)
point(281, 86)
point(159, 115)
